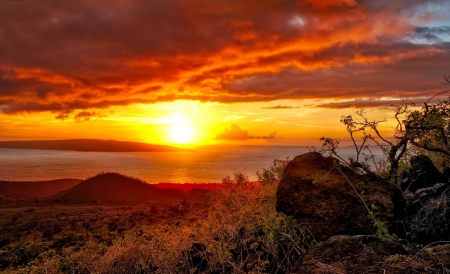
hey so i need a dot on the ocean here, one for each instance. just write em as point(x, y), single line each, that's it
point(205, 164)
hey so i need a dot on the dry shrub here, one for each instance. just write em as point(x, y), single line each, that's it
point(127, 255)
point(84, 260)
point(240, 233)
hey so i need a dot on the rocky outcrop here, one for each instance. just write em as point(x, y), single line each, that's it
point(427, 220)
point(361, 254)
point(421, 174)
point(415, 201)
point(422, 182)
point(427, 195)
point(439, 254)
point(320, 193)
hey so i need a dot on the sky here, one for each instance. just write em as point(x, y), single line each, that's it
point(192, 72)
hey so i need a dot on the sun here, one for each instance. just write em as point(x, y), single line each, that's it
point(181, 133)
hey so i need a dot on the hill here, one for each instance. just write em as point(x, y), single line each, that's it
point(114, 187)
point(89, 145)
point(37, 189)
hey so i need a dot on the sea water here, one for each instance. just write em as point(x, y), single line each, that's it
point(205, 164)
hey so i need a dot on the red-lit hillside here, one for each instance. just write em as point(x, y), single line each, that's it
point(114, 187)
point(38, 189)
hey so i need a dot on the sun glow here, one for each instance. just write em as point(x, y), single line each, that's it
point(181, 133)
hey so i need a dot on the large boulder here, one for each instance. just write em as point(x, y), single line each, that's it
point(320, 193)
point(421, 174)
point(362, 254)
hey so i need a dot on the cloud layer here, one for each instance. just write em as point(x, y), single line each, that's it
point(70, 57)
point(236, 133)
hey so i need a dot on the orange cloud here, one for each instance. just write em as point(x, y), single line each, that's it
point(85, 56)
point(236, 133)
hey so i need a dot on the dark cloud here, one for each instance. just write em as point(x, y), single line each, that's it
point(272, 135)
point(63, 115)
point(236, 133)
point(359, 104)
point(73, 56)
point(402, 78)
point(80, 116)
point(279, 107)
point(84, 116)
point(431, 34)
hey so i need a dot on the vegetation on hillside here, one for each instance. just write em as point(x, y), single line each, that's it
point(236, 230)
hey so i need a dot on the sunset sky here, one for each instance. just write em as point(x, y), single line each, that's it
point(192, 72)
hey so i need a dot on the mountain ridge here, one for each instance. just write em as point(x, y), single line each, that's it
point(93, 145)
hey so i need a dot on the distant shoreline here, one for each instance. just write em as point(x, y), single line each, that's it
point(89, 145)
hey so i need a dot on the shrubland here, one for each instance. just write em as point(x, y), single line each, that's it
point(236, 229)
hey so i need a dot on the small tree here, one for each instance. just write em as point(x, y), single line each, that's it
point(272, 174)
point(427, 129)
point(393, 149)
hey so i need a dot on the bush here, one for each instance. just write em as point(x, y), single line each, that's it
point(240, 233)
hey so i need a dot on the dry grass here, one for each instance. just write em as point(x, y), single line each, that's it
point(236, 231)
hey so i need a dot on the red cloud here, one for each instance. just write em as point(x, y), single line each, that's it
point(66, 57)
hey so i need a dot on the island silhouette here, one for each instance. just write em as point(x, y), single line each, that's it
point(95, 145)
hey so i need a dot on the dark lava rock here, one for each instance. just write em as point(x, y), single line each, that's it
point(316, 193)
point(421, 174)
point(416, 201)
point(427, 219)
point(447, 173)
point(361, 254)
point(439, 254)
point(427, 195)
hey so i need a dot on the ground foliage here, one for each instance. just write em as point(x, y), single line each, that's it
point(237, 230)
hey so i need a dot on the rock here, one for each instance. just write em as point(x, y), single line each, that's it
point(423, 193)
point(447, 172)
point(421, 174)
point(427, 220)
point(409, 196)
point(361, 254)
point(439, 254)
point(415, 201)
point(427, 196)
point(315, 192)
